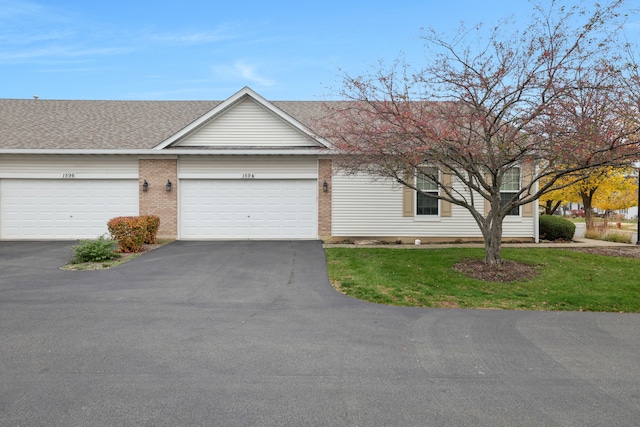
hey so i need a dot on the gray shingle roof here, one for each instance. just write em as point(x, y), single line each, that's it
point(67, 124)
point(306, 112)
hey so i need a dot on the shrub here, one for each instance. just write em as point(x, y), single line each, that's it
point(129, 231)
point(98, 250)
point(556, 228)
point(152, 223)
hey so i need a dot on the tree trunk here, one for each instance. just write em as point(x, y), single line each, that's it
point(588, 211)
point(550, 208)
point(492, 233)
point(492, 251)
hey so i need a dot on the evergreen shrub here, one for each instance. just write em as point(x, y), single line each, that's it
point(556, 228)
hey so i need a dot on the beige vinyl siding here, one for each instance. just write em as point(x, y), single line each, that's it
point(247, 124)
point(229, 167)
point(68, 167)
point(366, 207)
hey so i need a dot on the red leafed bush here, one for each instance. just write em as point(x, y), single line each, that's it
point(152, 223)
point(129, 231)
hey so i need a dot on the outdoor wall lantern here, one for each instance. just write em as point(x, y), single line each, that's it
point(325, 187)
point(145, 186)
point(168, 185)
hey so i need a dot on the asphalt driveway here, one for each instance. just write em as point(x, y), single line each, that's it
point(251, 333)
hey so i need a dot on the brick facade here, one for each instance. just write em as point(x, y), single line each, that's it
point(325, 172)
point(157, 200)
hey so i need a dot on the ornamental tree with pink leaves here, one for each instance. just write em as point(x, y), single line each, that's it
point(495, 124)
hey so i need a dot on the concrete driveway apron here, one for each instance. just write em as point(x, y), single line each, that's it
point(251, 333)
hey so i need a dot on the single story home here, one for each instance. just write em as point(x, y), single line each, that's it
point(242, 168)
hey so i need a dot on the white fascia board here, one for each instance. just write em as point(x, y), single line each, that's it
point(153, 153)
point(250, 152)
point(242, 93)
point(68, 151)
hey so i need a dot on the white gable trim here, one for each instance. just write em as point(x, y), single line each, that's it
point(229, 103)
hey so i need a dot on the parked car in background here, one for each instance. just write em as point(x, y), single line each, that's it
point(577, 213)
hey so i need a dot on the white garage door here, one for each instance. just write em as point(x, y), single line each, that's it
point(248, 209)
point(63, 209)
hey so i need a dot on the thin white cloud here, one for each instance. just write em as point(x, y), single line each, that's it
point(224, 32)
point(35, 33)
point(248, 72)
point(10, 9)
point(24, 38)
point(58, 54)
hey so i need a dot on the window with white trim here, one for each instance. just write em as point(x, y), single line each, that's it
point(510, 188)
point(426, 205)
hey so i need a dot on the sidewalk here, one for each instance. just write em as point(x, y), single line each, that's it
point(578, 242)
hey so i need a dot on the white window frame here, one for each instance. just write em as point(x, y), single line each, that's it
point(427, 217)
point(508, 181)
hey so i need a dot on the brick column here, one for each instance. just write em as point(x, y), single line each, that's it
point(325, 173)
point(157, 200)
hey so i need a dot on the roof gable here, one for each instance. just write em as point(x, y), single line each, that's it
point(83, 126)
point(242, 121)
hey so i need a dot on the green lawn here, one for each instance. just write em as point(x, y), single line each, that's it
point(567, 280)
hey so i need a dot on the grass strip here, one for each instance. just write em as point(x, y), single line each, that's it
point(567, 280)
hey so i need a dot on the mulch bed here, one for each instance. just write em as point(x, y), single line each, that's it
point(619, 251)
point(508, 271)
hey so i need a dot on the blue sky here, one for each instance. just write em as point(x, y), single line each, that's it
point(284, 50)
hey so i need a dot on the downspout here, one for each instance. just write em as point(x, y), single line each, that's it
point(536, 212)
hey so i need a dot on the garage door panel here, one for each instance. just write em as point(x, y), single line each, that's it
point(63, 209)
point(248, 209)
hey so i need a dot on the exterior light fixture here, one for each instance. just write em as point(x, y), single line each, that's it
point(325, 187)
point(145, 186)
point(168, 185)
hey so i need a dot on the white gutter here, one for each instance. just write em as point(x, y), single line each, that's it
point(176, 152)
point(536, 221)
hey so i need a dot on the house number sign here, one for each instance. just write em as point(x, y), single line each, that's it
point(68, 175)
point(248, 176)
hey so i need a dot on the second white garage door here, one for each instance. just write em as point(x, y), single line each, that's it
point(248, 209)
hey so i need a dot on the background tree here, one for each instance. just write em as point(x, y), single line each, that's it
point(605, 188)
point(621, 193)
point(552, 200)
point(616, 190)
point(602, 182)
point(549, 100)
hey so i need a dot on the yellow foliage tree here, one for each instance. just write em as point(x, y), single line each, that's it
point(618, 191)
point(552, 200)
point(606, 188)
